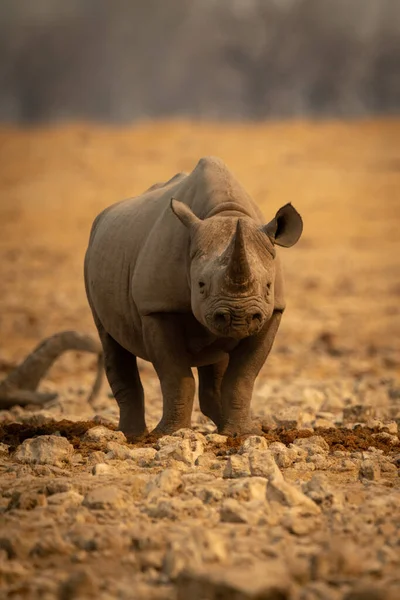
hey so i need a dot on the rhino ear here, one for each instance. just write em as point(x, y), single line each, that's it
point(184, 214)
point(286, 227)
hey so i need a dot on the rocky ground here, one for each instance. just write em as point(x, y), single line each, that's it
point(310, 510)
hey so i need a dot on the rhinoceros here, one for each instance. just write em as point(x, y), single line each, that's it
point(187, 275)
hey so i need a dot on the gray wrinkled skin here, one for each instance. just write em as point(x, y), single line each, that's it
point(187, 275)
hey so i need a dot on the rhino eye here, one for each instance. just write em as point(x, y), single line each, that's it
point(201, 284)
point(268, 287)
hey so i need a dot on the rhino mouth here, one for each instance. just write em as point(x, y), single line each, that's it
point(232, 322)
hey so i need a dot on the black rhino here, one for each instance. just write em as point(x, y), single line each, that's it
point(187, 275)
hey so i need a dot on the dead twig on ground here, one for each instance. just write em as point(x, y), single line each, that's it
point(20, 386)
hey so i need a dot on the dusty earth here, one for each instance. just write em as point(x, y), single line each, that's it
point(310, 510)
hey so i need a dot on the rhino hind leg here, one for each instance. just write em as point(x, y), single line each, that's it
point(123, 376)
point(210, 382)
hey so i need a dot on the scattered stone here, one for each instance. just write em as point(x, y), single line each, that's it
point(101, 435)
point(384, 436)
point(45, 449)
point(103, 469)
point(96, 457)
point(179, 449)
point(12, 572)
point(268, 580)
point(4, 449)
point(284, 493)
point(312, 445)
point(262, 464)
point(357, 413)
point(289, 418)
point(294, 521)
point(189, 434)
point(51, 543)
point(237, 466)
point(57, 487)
point(118, 451)
point(283, 456)
point(68, 499)
point(207, 461)
point(144, 457)
point(168, 481)
point(233, 511)
point(372, 592)
point(80, 584)
point(209, 494)
point(105, 497)
point(253, 442)
point(251, 488)
point(216, 438)
point(370, 469)
point(26, 500)
point(319, 490)
point(199, 547)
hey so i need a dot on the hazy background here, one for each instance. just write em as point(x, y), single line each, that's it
point(121, 60)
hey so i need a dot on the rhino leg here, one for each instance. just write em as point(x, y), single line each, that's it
point(245, 363)
point(210, 382)
point(167, 351)
point(124, 379)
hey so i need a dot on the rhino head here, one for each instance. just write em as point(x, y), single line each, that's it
point(232, 267)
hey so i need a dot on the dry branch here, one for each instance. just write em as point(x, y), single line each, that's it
point(20, 386)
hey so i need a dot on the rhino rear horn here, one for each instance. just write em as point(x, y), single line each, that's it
point(184, 214)
point(238, 269)
point(286, 227)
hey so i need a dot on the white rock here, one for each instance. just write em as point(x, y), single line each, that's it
point(370, 469)
point(4, 449)
point(67, 499)
point(284, 457)
point(289, 418)
point(102, 434)
point(105, 497)
point(189, 434)
point(143, 456)
point(168, 481)
point(184, 450)
point(319, 490)
point(233, 511)
point(262, 464)
point(237, 466)
point(216, 438)
point(103, 469)
point(45, 450)
point(248, 488)
point(286, 494)
point(253, 442)
point(199, 547)
point(314, 444)
point(267, 580)
point(207, 460)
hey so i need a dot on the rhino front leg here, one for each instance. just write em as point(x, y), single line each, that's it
point(124, 379)
point(237, 386)
point(210, 382)
point(166, 349)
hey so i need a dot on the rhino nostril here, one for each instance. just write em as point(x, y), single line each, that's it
point(256, 317)
point(222, 317)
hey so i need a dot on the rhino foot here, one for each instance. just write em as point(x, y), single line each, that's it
point(133, 437)
point(240, 429)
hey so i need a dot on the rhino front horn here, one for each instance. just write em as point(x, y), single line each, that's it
point(238, 269)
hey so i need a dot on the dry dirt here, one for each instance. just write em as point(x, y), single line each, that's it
point(195, 516)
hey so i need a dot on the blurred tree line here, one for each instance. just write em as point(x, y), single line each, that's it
point(125, 59)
